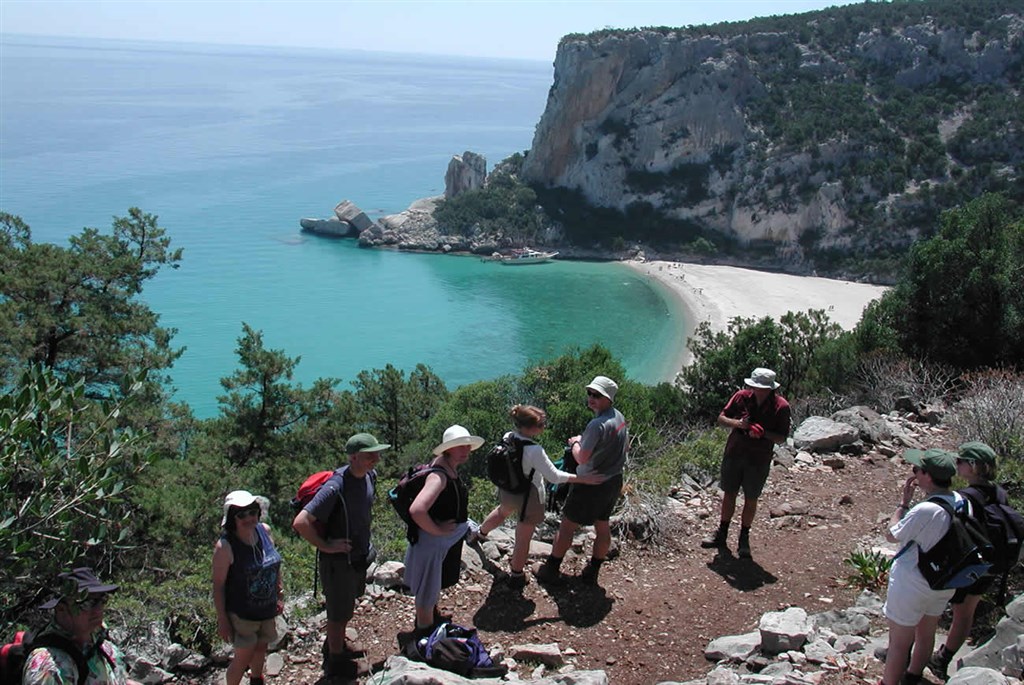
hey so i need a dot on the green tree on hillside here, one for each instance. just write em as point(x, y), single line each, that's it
point(262, 405)
point(395, 408)
point(65, 472)
point(75, 310)
point(959, 300)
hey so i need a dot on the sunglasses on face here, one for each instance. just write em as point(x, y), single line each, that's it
point(91, 602)
point(246, 513)
point(591, 393)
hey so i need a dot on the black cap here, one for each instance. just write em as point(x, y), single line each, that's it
point(79, 582)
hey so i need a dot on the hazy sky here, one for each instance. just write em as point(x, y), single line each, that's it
point(527, 29)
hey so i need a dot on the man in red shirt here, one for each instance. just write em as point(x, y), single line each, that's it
point(759, 419)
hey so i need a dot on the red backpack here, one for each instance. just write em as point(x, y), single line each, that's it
point(307, 491)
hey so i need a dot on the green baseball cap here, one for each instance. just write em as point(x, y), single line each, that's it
point(364, 442)
point(935, 462)
point(979, 452)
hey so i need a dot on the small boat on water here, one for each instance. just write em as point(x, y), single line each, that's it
point(527, 255)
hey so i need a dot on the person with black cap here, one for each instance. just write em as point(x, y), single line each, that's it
point(337, 522)
point(912, 607)
point(75, 637)
point(246, 575)
point(601, 449)
point(975, 463)
point(759, 419)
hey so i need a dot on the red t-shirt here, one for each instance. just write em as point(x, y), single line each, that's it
point(773, 416)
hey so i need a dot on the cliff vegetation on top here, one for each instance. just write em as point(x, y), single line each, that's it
point(828, 140)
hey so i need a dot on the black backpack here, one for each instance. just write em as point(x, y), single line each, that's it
point(402, 496)
point(505, 465)
point(13, 655)
point(958, 559)
point(1003, 524)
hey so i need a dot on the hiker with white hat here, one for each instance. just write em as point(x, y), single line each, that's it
point(246, 586)
point(600, 449)
point(759, 418)
point(439, 511)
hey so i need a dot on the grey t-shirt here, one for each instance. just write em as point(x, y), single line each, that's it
point(344, 504)
point(608, 437)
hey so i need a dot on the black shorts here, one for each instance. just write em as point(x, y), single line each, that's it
point(744, 472)
point(979, 588)
point(589, 503)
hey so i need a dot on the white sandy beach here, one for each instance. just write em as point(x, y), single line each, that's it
point(717, 294)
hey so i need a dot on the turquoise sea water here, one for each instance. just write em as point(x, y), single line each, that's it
point(231, 146)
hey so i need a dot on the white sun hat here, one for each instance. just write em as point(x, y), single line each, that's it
point(457, 435)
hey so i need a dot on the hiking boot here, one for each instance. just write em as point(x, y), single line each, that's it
point(589, 573)
point(255, 681)
point(939, 663)
point(716, 539)
point(911, 678)
point(341, 666)
point(547, 574)
point(743, 547)
point(514, 581)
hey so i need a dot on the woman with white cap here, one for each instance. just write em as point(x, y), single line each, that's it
point(246, 586)
point(439, 512)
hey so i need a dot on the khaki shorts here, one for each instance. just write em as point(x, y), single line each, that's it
point(534, 505)
point(250, 633)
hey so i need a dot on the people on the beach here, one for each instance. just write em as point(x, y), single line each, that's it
point(600, 449)
point(975, 463)
point(433, 561)
point(759, 418)
point(75, 636)
point(529, 422)
point(337, 523)
point(247, 591)
point(912, 607)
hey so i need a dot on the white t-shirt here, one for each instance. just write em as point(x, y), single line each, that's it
point(924, 525)
point(534, 457)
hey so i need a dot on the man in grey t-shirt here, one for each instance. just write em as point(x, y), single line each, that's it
point(600, 449)
point(337, 522)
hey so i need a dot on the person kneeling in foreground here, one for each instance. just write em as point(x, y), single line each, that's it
point(911, 606)
point(77, 624)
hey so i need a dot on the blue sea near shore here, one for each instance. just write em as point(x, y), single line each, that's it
point(230, 146)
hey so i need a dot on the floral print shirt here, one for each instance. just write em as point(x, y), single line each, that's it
point(53, 666)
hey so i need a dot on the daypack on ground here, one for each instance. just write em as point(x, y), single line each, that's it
point(505, 465)
point(14, 654)
point(957, 559)
point(402, 495)
point(1003, 525)
point(457, 649)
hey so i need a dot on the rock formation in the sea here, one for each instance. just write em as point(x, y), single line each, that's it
point(348, 222)
point(467, 171)
point(842, 130)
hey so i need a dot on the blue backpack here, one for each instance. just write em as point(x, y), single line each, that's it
point(459, 650)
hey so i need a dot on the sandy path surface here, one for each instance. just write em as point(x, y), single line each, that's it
point(717, 294)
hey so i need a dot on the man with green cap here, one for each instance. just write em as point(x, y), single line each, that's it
point(337, 522)
point(911, 606)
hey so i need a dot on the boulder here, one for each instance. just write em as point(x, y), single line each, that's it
point(783, 631)
point(389, 574)
point(869, 423)
point(733, 647)
point(349, 213)
point(467, 171)
point(333, 227)
point(819, 434)
point(974, 675)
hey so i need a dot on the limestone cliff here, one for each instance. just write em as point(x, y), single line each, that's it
point(841, 130)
